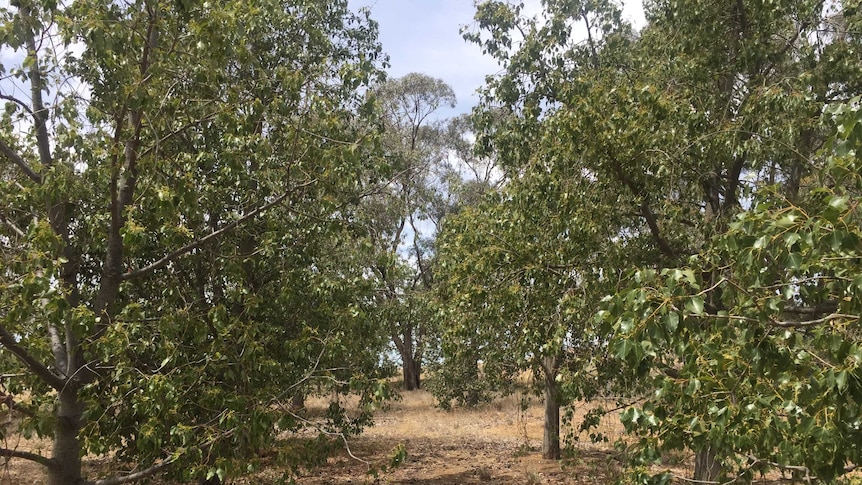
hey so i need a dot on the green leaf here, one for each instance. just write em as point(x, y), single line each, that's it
point(671, 321)
point(694, 305)
point(841, 380)
point(794, 261)
point(623, 349)
point(838, 202)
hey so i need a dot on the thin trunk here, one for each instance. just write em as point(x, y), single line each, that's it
point(297, 401)
point(67, 447)
point(706, 466)
point(472, 396)
point(551, 438)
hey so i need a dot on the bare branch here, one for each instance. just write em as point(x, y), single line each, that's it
point(11, 225)
point(8, 342)
point(17, 160)
point(809, 323)
point(133, 477)
point(212, 236)
point(17, 101)
point(26, 455)
point(155, 147)
point(326, 432)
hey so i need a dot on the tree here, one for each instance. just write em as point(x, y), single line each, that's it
point(513, 274)
point(528, 267)
point(177, 256)
point(413, 146)
point(774, 341)
point(674, 127)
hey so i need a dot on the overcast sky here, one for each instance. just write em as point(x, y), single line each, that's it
point(423, 36)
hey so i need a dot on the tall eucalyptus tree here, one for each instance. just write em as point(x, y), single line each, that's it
point(403, 215)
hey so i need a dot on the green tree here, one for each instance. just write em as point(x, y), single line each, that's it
point(674, 126)
point(175, 207)
point(465, 182)
point(773, 342)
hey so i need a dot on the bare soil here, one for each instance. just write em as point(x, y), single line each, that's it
point(498, 442)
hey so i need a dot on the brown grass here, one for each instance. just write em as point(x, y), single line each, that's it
point(498, 442)
point(494, 443)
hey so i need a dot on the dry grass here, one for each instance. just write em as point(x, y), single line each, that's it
point(496, 443)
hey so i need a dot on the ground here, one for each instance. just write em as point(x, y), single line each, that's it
point(497, 443)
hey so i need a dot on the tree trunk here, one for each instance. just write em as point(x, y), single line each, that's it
point(706, 466)
point(412, 369)
point(471, 399)
point(67, 446)
point(551, 438)
point(298, 400)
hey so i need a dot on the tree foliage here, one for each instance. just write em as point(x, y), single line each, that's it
point(178, 257)
point(763, 363)
point(646, 146)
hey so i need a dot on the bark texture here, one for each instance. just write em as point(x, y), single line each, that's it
point(551, 437)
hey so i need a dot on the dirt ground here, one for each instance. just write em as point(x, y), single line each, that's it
point(497, 443)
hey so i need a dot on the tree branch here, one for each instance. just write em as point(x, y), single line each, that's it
point(11, 225)
point(17, 160)
point(37, 85)
point(161, 263)
point(17, 101)
point(133, 477)
point(645, 210)
point(819, 309)
point(158, 142)
point(26, 455)
point(651, 221)
point(8, 341)
point(809, 323)
point(9, 401)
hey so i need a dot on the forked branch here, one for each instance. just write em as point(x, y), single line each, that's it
point(7, 341)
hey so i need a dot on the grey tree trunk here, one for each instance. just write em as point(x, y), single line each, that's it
point(551, 438)
point(298, 400)
point(67, 447)
point(706, 466)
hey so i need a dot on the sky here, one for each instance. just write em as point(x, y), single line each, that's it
point(423, 36)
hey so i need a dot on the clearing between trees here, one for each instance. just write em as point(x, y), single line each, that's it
point(498, 442)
